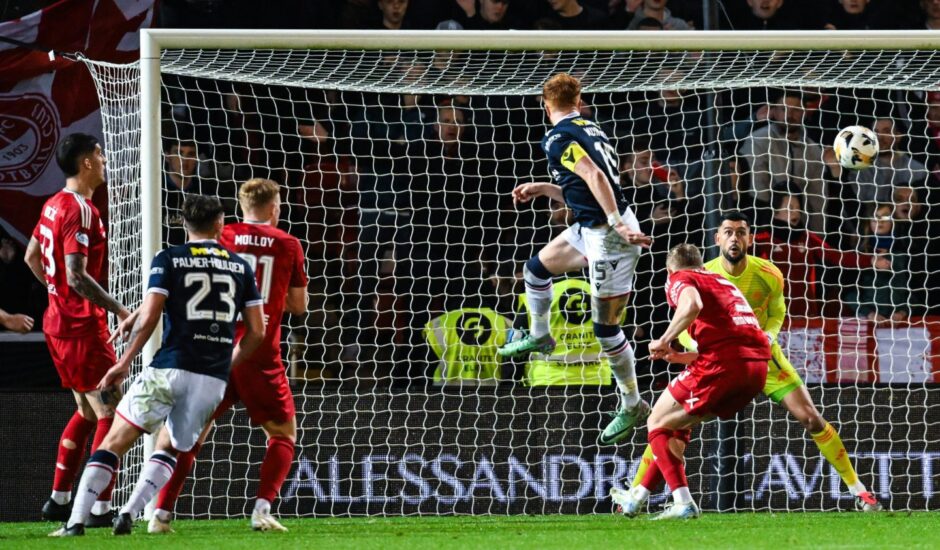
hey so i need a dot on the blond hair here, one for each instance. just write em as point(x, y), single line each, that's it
point(684, 256)
point(257, 192)
point(562, 91)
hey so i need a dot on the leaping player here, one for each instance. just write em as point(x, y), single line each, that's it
point(261, 382)
point(762, 285)
point(606, 238)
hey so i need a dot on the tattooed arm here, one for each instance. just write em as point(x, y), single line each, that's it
point(81, 282)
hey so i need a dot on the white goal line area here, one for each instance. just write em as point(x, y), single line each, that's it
point(397, 151)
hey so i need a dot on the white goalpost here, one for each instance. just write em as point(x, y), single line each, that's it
point(397, 151)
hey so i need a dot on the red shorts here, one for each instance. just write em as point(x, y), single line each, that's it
point(704, 388)
point(82, 362)
point(265, 394)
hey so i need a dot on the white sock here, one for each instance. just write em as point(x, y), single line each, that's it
point(623, 365)
point(682, 495)
point(262, 506)
point(640, 493)
point(857, 488)
point(62, 497)
point(538, 297)
point(95, 479)
point(101, 507)
point(153, 476)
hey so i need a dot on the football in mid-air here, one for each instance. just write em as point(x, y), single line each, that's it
point(856, 147)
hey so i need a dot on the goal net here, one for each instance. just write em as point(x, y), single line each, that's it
point(397, 158)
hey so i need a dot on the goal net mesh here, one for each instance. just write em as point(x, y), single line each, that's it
point(397, 168)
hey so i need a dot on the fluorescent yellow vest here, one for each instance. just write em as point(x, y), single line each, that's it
point(465, 342)
point(577, 357)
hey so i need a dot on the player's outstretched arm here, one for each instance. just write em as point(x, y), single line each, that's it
point(600, 188)
point(81, 282)
point(688, 307)
point(253, 317)
point(144, 321)
point(33, 259)
point(527, 191)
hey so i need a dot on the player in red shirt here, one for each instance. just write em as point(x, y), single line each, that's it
point(261, 382)
point(67, 253)
point(726, 373)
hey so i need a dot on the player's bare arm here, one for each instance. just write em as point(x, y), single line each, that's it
point(296, 301)
point(600, 188)
point(81, 282)
point(253, 318)
point(687, 309)
point(145, 321)
point(33, 259)
point(17, 322)
point(534, 189)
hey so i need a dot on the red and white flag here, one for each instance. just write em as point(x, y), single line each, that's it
point(43, 97)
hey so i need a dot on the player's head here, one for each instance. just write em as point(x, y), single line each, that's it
point(684, 256)
point(80, 155)
point(562, 94)
point(734, 236)
point(203, 216)
point(260, 200)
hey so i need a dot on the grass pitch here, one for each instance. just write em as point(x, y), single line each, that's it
point(609, 532)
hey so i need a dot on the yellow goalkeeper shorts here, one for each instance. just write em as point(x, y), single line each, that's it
point(782, 378)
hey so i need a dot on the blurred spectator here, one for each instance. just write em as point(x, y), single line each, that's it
point(799, 252)
point(25, 297)
point(892, 168)
point(180, 176)
point(672, 120)
point(393, 14)
point(767, 15)
point(914, 239)
point(925, 131)
point(782, 152)
point(488, 15)
point(883, 292)
point(649, 24)
point(931, 14)
point(573, 15)
point(850, 15)
point(656, 9)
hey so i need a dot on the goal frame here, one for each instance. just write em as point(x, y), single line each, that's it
point(154, 41)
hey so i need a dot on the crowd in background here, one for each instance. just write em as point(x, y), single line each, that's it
point(402, 201)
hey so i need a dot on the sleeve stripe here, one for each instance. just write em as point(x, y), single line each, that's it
point(158, 290)
point(85, 211)
point(252, 303)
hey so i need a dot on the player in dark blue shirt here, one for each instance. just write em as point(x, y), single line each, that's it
point(200, 288)
point(605, 238)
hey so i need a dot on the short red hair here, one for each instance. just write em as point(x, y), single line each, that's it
point(562, 91)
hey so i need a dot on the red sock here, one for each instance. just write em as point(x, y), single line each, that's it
point(166, 500)
point(653, 478)
point(104, 425)
point(71, 451)
point(673, 471)
point(275, 467)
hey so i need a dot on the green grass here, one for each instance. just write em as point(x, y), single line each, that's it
point(749, 531)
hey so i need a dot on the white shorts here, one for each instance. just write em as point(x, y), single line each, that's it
point(611, 260)
point(186, 400)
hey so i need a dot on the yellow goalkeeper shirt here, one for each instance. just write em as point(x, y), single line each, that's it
point(762, 285)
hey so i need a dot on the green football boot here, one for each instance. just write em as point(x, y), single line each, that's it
point(624, 420)
point(526, 345)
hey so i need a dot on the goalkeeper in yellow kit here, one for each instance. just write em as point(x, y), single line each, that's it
point(762, 285)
